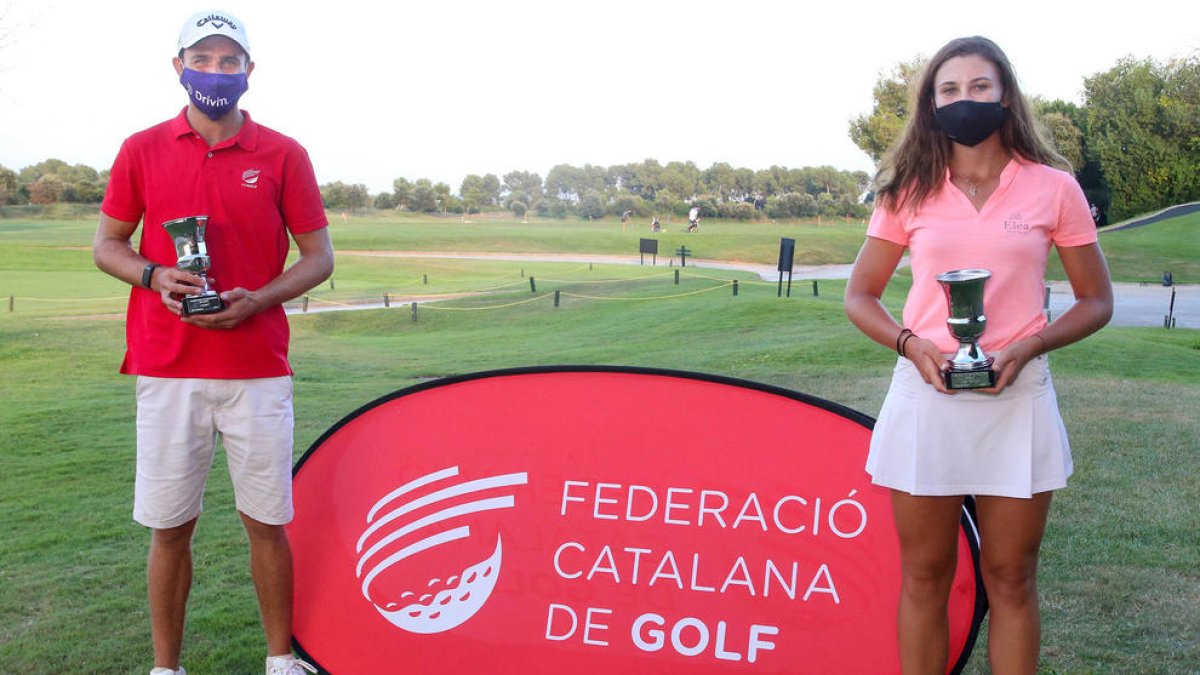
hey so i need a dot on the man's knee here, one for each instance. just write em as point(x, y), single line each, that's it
point(173, 537)
point(259, 531)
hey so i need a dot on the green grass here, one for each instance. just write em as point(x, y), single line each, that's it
point(1142, 254)
point(829, 241)
point(1120, 574)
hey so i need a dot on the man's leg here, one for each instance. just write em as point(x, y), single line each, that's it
point(168, 580)
point(175, 442)
point(256, 428)
point(271, 569)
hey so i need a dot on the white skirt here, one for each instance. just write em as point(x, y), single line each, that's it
point(1009, 445)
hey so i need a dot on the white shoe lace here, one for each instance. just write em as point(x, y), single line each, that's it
point(290, 666)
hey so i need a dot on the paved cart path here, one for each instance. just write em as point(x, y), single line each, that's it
point(1135, 305)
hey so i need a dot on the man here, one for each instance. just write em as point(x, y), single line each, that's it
point(226, 373)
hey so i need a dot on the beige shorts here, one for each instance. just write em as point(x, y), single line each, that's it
point(178, 421)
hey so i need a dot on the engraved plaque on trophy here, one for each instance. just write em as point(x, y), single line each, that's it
point(192, 256)
point(969, 368)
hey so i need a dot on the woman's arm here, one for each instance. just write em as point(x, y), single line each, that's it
point(1087, 271)
point(877, 260)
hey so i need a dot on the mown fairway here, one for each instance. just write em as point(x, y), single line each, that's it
point(1119, 579)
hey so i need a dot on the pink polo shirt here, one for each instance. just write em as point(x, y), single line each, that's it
point(256, 188)
point(1033, 207)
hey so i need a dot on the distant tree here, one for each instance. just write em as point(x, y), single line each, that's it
point(9, 185)
point(72, 183)
point(491, 189)
point(1067, 137)
point(1143, 122)
point(423, 198)
point(736, 210)
point(708, 205)
point(51, 166)
point(518, 208)
point(875, 133)
point(472, 192)
point(792, 205)
point(766, 181)
point(402, 191)
point(357, 197)
point(627, 202)
point(591, 205)
point(665, 198)
point(522, 186)
point(333, 195)
point(45, 190)
point(649, 177)
point(385, 200)
point(442, 191)
point(564, 183)
point(682, 179)
point(720, 180)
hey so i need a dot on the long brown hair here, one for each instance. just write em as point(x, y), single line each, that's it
point(915, 167)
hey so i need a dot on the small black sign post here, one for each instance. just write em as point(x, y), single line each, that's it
point(648, 246)
point(683, 253)
point(787, 253)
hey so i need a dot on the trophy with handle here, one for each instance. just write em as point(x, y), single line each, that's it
point(192, 256)
point(969, 368)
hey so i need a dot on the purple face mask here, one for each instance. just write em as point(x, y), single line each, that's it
point(214, 94)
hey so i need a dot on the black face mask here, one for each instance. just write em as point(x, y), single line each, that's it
point(969, 122)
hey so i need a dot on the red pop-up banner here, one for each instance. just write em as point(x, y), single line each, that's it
point(602, 520)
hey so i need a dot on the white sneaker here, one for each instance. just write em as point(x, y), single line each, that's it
point(168, 671)
point(288, 665)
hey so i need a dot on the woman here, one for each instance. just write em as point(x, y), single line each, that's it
point(970, 184)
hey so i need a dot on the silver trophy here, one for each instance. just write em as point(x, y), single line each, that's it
point(969, 368)
point(188, 235)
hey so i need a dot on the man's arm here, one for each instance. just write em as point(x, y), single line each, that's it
point(113, 253)
point(314, 266)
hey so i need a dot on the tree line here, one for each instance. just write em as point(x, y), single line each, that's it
point(643, 188)
point(1134, 143)
point(52, 181)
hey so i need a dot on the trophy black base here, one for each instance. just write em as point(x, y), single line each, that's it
point(205, 303)
point(970, 379)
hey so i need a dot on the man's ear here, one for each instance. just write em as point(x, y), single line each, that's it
point(249, 69)
point(178, 64)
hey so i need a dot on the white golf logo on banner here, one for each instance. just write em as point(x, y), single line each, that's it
point(437, 604)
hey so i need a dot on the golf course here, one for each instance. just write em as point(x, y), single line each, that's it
point(1120, 564)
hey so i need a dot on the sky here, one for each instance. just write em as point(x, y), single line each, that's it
point(440, 89)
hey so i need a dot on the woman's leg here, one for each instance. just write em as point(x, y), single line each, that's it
point(1012, 530)
point(928, 530)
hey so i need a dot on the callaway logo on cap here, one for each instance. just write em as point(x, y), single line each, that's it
point(203, 24)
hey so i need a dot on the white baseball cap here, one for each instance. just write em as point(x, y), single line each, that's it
point(216, 22)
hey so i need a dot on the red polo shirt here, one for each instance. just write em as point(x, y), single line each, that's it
point(256, 188)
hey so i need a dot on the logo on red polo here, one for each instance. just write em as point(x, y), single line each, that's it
point(414, 522)
point(250, 178)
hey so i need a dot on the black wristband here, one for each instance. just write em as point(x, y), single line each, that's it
point(148, 275)
point(904, 344)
